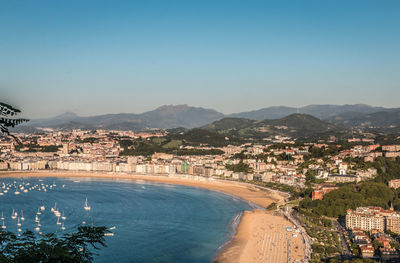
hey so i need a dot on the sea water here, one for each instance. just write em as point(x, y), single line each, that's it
point(153, 222)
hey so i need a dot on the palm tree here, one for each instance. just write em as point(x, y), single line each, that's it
point(7, 119)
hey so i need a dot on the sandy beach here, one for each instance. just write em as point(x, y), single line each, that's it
point(260, 237)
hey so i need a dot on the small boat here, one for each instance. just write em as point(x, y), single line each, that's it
point(63, 227)
point(109, 234)
point(19, 230)
point(112, 228)
point(54, 208)
point(2, 216)
point(18, 223)
point(86, 206)
point(63, 217)
point(14, 215)
point(3, 226)
point(36, 219)
point(1, 193)
point(17, 192)
point(22, 216)
point(38, 212)
point(57, 213)
point(83, 222)
point(42, 208)
point(37, 229)
point(58, 221)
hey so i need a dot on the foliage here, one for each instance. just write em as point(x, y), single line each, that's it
point(320, 152)
point(310, 177)
point(90, 140)
point(284, 157)
point(8, 112)
point(73, 248)
point(239, 167)
point(377, 244)
point(181, 152)
point(336, 202)
point(196, 137)
point(294, 192)
point(387, 168)
point(148, 147)
point(37, 148)
point(271, 206)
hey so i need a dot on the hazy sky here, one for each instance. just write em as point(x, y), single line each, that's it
point(94, 57)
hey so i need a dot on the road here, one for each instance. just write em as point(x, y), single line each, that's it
point(291, 215)
point(345, 247)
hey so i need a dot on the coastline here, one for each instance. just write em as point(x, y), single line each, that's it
point(262, 236)
point(245, 240)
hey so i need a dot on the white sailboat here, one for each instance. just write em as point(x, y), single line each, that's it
point(63, 217)
point(57, 213)
point(86, 206)
point(58, 221)
point(63, 227)
point(3, 226)
point(54, 208)
point(14, 214)
point(42, 208)
point(18, 223)
point(2, 216)
point(22, 216)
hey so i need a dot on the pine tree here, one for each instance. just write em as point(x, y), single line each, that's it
point(7, 119)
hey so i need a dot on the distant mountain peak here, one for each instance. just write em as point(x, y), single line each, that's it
point(67, 115)
point(173, 108)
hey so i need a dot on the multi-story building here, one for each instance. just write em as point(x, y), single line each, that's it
point(393, 222)
point(373, 218)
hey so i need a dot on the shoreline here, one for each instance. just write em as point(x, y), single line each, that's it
point(245, 229)
point(248, 193)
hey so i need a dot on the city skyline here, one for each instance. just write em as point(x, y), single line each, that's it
point(99, 57)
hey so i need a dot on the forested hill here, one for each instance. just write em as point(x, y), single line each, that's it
point(295, 125)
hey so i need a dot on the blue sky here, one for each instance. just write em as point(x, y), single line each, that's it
point(95, 57)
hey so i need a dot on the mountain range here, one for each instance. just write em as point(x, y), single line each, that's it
point(164, 117)
point(173, 116)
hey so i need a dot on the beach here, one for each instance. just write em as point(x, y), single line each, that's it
point(260, 237)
